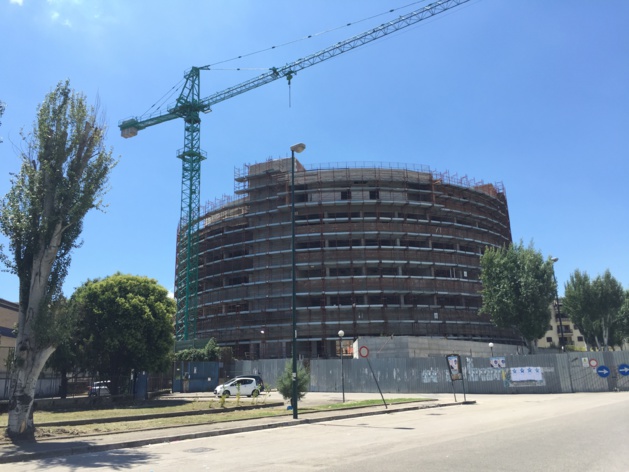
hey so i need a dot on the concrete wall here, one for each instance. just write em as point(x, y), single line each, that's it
point(388, 347)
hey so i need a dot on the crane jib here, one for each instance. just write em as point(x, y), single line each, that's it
point(275, 73)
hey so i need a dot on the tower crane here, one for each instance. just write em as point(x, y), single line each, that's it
point(189, 105)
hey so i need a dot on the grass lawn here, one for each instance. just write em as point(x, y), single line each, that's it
point(217, 411)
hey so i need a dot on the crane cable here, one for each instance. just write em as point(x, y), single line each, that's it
point(177, 87)
point(312, 35)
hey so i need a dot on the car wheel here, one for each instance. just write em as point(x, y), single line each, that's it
point(226, 393)
point(255, 393)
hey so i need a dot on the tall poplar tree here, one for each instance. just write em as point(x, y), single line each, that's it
point(64, 174)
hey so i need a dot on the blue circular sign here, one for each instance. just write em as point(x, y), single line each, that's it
point(603, 371)
point(623, 369)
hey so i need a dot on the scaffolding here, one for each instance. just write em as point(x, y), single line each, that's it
point(379, 250)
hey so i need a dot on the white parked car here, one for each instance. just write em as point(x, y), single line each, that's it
point(99, 389)
point(243, 386)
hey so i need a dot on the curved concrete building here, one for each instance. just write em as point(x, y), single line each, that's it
point(379, 251)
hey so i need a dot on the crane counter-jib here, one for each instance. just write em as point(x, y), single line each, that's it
point(130, 127)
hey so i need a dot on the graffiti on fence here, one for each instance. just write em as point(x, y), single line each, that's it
point(483, 374)
point(433, 375)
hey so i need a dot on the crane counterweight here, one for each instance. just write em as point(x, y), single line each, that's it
point(128, 131)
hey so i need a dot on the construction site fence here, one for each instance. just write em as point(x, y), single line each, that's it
point(49, 385)
point(541, 373)
point(569, 372)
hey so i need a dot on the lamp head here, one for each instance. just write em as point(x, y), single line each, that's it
point(299, 147)
point(341, 333)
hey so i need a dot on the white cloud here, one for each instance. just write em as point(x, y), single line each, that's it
point(87, 16)
point(17, 2)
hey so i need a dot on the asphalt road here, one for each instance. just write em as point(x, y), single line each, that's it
point(584, 431)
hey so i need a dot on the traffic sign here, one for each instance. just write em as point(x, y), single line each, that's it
point(603, 371)
point(623, 369)
point(363, 351)
point(593, 363)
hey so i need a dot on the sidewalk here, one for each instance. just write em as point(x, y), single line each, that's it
point(68, 446)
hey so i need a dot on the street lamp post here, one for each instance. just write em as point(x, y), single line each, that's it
point(562, 340)
point(299, 147)
point(491, 346)
point(341, 334)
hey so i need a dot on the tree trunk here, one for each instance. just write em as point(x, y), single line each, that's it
point(29, 357)
point(605, 328)
point(531, 345)
point(63, 387)
point(23, 383)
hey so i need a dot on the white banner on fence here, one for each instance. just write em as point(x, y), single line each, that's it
point(522, 374)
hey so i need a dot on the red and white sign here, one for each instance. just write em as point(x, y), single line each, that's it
point(593, 363)
point(363, 351)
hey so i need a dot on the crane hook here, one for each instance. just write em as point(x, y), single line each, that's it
point(289, 76)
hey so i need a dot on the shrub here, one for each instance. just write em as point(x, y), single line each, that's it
point(285, 381)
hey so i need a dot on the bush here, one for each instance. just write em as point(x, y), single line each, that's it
point(211, 352)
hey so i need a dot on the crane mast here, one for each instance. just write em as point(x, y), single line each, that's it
point(189, 105)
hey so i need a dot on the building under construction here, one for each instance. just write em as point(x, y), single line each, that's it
point(378, 251)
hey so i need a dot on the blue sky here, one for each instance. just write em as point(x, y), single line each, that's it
point(530, 93)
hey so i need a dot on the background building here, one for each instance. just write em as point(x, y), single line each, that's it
point(561, 323)
point(8, 322)
point(379, 251)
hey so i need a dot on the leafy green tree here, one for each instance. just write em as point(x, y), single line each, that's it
point(518, 289)
point(610, 297)
point(578, 303)
point(64, 174)
point(595, 306)
point(285, 381)
point(65, 358)
point(211, 352)
point(624, 320)
point(126, 324)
